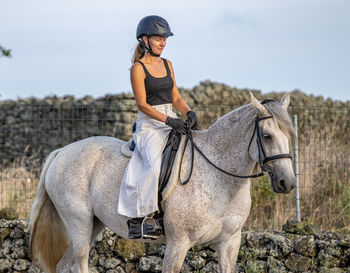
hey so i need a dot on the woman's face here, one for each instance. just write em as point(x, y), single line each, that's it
point(157, 43)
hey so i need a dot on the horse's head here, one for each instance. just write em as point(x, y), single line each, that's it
point(271, 141)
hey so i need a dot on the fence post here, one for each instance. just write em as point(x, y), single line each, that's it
point(296, 168)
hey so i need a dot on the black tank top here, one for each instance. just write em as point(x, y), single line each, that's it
point(158, 90)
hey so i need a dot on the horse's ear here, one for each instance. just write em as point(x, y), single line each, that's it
point(285, 101)
point(258, 106)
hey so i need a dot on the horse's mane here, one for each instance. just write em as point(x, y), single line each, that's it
point(282, 119)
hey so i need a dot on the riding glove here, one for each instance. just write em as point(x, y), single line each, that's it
point(191, 117)
point(176, 123)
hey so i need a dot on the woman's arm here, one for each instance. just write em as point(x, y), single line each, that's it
point(137, 77)
point(178, 102)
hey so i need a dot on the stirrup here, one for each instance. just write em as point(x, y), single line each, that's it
point(150, 228)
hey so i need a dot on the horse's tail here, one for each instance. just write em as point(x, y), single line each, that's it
point(48, 236)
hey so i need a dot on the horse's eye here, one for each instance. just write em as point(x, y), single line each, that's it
point(267, 136)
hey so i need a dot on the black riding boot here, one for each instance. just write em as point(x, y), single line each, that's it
point(146, 228)
point(134, 226)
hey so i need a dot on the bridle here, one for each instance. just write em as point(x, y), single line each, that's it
point(262, 158)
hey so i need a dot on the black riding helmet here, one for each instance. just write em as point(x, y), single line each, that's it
point(152, 25)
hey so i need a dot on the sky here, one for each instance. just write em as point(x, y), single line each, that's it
point(84, 47)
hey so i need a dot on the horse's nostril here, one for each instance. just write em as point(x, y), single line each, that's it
point(283, 184)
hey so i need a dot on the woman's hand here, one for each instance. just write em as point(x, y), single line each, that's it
point(191, 117)
point(176, 123)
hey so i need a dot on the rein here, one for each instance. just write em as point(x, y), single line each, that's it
point(263, 159)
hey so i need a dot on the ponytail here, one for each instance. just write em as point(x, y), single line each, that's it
point(139, 53)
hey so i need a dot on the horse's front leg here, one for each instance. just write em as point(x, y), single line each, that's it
point(174, 256)
point(228, 252)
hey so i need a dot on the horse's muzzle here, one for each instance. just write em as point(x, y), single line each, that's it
point(282, 184)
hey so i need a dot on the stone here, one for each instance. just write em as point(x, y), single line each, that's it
point(161, 250)
point(345, 241)
point(118, 269)
point(326, 259)
point(301, 228)
point(210, 267)
point(93, 258)
point(27, 115)
point(34, 269)
point(93, 270)
point(253, 239)
point(255, 266)
point(6, 247)
point(298, 263)
point(10, 120)
point(112, 263)
point(151, 264)
point(305, 245)
point(19, 252)
point(102, 247)
point(331, 270)
point(196, 261)
point(21, 264)
point(278, 245)
point(275, 266)
point(111, 242)
point(100, 269)
point(18, 243)
point(130, 267)
point(8, 214)
point(5, 265)
point(185, 268)
point(99, 237)
point(4, 232)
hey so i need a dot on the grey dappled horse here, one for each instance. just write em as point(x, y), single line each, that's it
point(79, 187)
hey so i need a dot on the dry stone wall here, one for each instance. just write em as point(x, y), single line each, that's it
point(299, 248)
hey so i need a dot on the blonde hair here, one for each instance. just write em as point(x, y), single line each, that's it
point(138, 53)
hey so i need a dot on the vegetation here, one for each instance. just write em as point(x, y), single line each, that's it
point(324, 186)
point(18, 183)
point(5, 52)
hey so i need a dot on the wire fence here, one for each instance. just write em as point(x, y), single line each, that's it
point(324, 145)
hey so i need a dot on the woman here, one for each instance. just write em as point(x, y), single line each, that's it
point(155, 90)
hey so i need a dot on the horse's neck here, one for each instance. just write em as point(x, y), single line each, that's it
point(227, 141)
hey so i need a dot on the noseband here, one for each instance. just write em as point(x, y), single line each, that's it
point(262, 158)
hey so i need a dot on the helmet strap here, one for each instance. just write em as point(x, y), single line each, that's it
point(149, 49)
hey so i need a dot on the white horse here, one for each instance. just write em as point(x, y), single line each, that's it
point(79, 188)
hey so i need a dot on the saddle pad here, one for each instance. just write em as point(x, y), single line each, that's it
point(126, 149)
